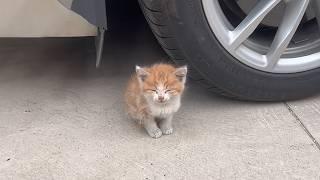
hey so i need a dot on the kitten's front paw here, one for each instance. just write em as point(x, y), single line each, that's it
point(155, 133)
point(167, 131)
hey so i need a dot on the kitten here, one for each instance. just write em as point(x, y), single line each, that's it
point(153, 96)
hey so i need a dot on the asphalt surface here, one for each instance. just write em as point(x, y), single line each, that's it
point(60, 118)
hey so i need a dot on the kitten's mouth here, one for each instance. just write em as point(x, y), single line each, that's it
point(161, 102)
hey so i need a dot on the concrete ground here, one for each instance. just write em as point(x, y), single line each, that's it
point(60, 118)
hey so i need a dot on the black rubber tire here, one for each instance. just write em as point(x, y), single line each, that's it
point(181, 28)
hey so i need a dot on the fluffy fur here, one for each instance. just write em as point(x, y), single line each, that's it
point(153, 96)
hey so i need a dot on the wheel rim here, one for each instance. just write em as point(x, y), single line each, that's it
point(280, 56)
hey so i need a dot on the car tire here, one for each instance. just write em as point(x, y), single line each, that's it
point(182, 30)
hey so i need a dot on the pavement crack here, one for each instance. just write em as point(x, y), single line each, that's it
point(302, 125)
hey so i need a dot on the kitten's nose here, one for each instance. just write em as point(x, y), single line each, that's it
point(161, 98)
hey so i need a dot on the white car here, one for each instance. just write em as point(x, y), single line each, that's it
point(261, 50)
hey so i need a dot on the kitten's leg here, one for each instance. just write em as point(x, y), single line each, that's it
point(151, 127)
point(166, 125)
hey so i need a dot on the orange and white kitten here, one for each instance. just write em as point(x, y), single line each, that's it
point(153, 96)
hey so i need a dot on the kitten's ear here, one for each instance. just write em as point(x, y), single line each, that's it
point(181, 73)
point(141, 73)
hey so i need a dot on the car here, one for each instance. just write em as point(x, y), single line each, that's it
point(257, 50)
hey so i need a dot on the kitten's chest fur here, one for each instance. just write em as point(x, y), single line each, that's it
point(164, 111)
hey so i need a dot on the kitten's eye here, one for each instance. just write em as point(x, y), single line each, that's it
point(154, 90)
point(167, 91)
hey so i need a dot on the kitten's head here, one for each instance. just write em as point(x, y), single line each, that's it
point(161, 83)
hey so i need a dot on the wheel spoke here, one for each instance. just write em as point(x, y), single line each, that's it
point(250, 23)
point(294, 12)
